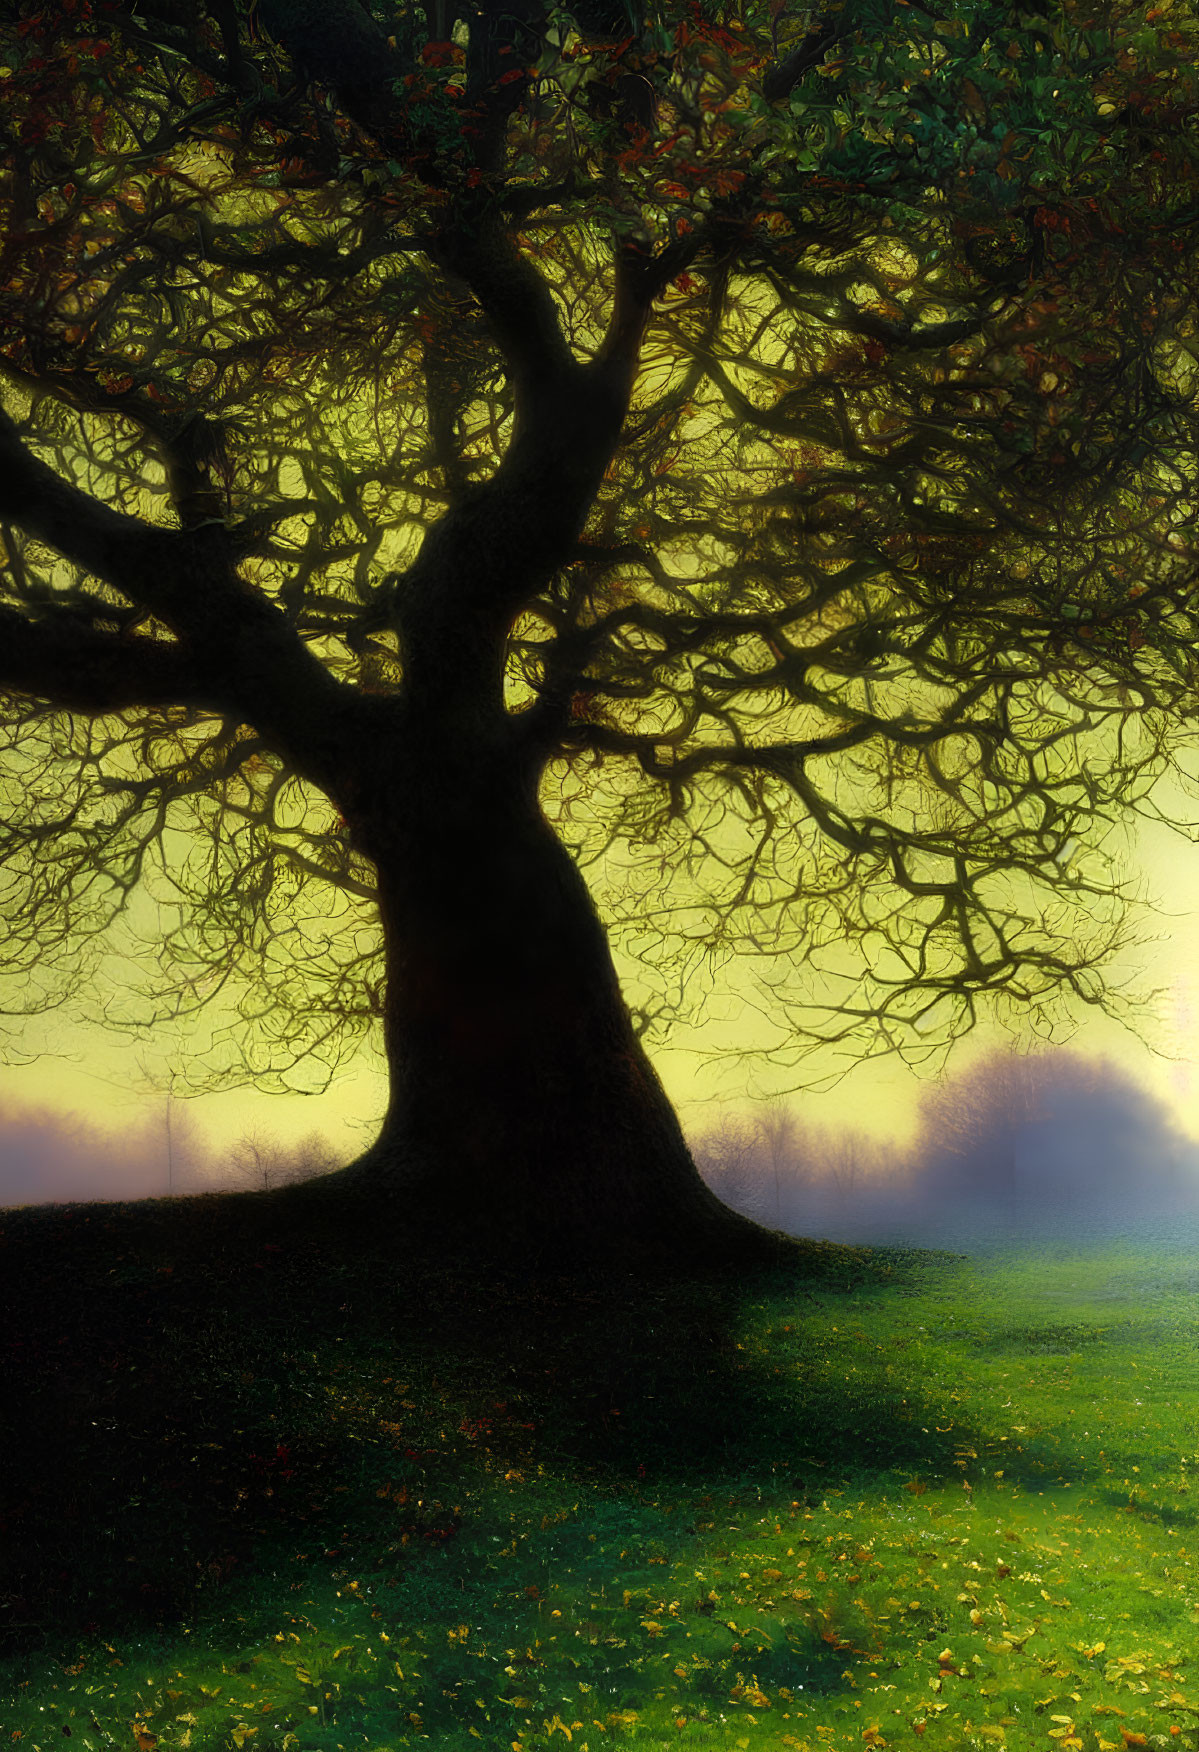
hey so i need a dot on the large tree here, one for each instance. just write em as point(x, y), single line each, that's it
point(446, 449)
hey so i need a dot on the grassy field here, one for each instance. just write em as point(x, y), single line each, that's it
point(272, 1492)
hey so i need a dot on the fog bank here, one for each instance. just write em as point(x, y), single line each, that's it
point(1014, 1148)
point(55, 1158)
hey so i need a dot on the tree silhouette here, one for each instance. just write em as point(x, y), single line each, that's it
point(1051, 1134)
point(446, 452)
point(261, 1162)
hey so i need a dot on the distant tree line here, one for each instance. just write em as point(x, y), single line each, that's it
point(1048, 1143)
point(258, 1162)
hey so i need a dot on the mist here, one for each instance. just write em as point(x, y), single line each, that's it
point(1015, 1148)
point(56, 1158)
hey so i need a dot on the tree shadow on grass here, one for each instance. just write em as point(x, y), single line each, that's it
point(676, 1387)
point(207, 1394)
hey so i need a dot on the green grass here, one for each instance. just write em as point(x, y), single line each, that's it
point(284, 1492)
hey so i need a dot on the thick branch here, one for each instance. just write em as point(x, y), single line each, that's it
point(785, 759)
point(640, 278)
point(781, 81)
point(231, 632)
point(65, 661)
point(339, 44)
point(144, 562)
point(479, 248)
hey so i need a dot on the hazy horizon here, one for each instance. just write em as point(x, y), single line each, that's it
point(1013, 1146)
point(48, 1157)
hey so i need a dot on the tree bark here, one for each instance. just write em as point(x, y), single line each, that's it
point(525, 1119)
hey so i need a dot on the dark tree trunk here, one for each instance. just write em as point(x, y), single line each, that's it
point(524, 1117)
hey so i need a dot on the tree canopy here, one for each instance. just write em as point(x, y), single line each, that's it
point(766, 435)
